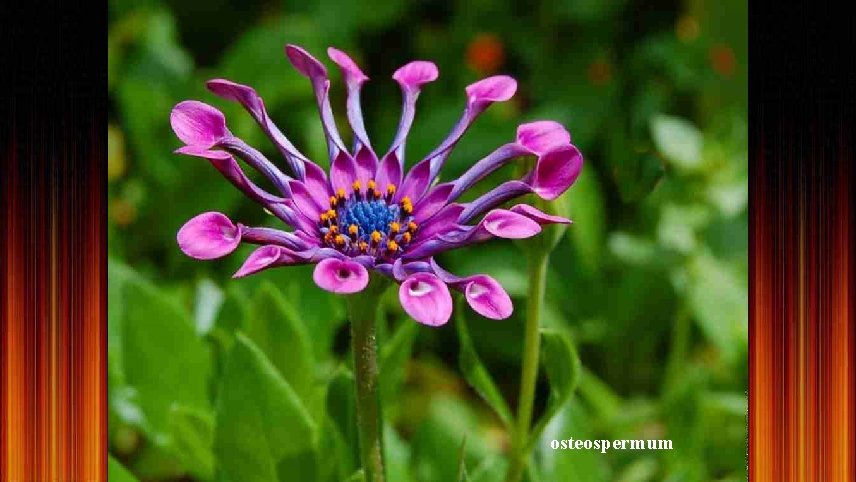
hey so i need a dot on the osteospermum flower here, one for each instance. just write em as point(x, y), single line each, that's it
point(368, 214)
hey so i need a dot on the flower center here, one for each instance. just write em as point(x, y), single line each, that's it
point(366, 221)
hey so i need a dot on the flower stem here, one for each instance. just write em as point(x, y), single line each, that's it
point(362, 310)
point(538, 263)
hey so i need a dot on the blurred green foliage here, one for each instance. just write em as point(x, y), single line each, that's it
point(213, 379)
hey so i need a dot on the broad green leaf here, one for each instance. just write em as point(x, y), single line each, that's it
point(570, 465)
point(259, 419)
point(398, 456)
point(116, 472)
point(720, 304)
point(475, 372)
point(678, 140)
point(209, 299)
point(275, 327)
point(163, 359)
point(341, 411)
point(462, 462)
point(193, 436)
point(393, 361)
point(562, 365)
point(357, 476)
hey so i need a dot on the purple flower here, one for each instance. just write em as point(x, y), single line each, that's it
point(368, 213)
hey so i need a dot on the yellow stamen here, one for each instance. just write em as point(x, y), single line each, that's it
point(371, 185)
point(334, 229)
point(376, 236)
point(357, 185)
point(340, 240)
point(407, 208)
point(394, 228)
point(406, 200)
point(390, 189)
point(405, 238)
point(411, 226)
point(376, 193)
point(353, 230)
point(340, 193)
point(331, 214)
point(333, 201)
point(392, 246)
point(364, 246)
point(324, 217)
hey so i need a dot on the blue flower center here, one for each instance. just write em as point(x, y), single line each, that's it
point(368, 222)
point(368, 216)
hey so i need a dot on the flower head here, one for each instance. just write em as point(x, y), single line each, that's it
point(368, 213)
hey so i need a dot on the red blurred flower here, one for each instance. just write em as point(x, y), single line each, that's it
point(485, 53)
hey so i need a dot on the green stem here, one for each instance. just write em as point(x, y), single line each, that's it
point(362, 311)
point(529, 376)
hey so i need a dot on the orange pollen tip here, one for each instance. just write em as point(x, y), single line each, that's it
point(324, 217)
point(353, 229)
point(363, 246)
point(340, 240)
point(340, 192)
point(333, 201)
point(334, 229)
point(405, 238)
point(392, 246)
point(371, 184)
point(390, 188)
point(376, 236)
point(394, 227)
point(407, 208)
point(331, 214)
point(411, 226)
point(406, 200)
point(356, 185)
point(376, 193)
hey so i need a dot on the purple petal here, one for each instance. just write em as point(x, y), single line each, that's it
point(509, 225)
point(310, 67)
point(411, 78)
point(198, 124)
point(341, 276)
point(416, 182)
point(317, 184)
point(426, 299)
point(485, 166)
point(538, 216)
point(415, 74)
point(445, 219)
point(542, 136)
point(258, 260)
point(226, 164)
point(209, 235)
point(343, 172)
point(251, 101)
point(354, 79)
point(257, 161)
point(388, 172)
point(366, 163)
point(275, 236)
point(432, 202)
point(304, 200)
point(493, 198)
point(556, 171)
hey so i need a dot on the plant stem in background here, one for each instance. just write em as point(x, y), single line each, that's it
point(538, 262)
point(362, 311)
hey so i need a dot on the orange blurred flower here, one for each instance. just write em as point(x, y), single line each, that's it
point(723, 60)
point(485, 54)
point(599, 72)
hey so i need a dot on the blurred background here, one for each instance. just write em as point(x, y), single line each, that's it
point(650, 281)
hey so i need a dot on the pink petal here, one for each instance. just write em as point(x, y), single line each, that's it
point(317, 184)
point(488, 298)
point(304, 62)
point(366, 163)
point(426, 299)
point(209, 235)
point(509, 225)
point(343, 172)
point(349, 68)
point(498, 88)
point(538, 216)
point(542, 136)
point(388, 172)
point(432, 202)
point(258, 260)
point(341, 276)
point(416, 74)
point(198, 124)
point(304, 201)
point(556, 171)
point(416, 182)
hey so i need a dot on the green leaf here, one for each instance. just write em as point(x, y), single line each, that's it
point(116, 472)
point(562, 365)
point(357, 476)
point(587, 212)
point(193, 437)
point(462, 462)
point(678, 140)
point(164, 362)
point(260, 419)
point(476, 374)
point(341, 411)
point(570, 465)
point(720, 304)
point(275, 327)
point(393, 360)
